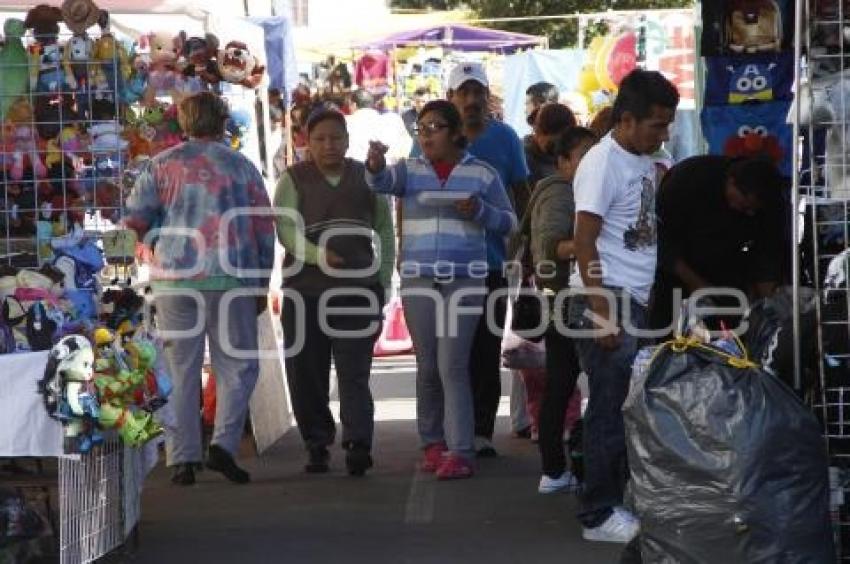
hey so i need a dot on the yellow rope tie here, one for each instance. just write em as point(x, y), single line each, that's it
point(682, 344)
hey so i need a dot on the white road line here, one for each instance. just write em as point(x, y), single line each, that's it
point(419, 509)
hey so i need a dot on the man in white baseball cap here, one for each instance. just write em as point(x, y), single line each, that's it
point(498, 145)
point(468, 71)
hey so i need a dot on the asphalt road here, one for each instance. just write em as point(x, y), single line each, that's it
point(395, 515)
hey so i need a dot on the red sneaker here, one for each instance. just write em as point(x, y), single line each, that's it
point(454, 467)
point(433, 457)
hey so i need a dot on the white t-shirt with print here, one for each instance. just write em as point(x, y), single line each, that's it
point(619, 187)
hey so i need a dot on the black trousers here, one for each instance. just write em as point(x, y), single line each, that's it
point(308, 369)
point(485, 364)
point(562, 370)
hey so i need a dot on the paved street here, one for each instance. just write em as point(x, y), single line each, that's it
point(395, 515)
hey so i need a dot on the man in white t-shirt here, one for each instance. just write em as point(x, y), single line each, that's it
point(615, 238)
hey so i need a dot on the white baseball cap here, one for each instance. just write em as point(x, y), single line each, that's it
point(465, 72)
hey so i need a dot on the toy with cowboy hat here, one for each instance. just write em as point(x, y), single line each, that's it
point(79, 15)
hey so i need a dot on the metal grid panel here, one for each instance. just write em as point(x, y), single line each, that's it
point(49, 178)
point(133, 478)
point(91, 503)
point(824, 124)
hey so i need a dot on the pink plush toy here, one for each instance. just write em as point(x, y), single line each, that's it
point(23, 141)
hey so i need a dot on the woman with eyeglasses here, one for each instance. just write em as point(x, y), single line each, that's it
point(449, 200)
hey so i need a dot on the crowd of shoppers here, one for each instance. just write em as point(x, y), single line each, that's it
point(612, 235)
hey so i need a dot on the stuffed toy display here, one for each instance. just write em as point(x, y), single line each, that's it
point(111, 385)
point(13, 65)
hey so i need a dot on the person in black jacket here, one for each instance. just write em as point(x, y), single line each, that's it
point(722, 224)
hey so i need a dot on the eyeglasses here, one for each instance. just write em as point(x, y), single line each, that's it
point(429, 128)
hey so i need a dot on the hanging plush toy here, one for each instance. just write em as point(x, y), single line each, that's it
point(46, 74)
point(137, 84)
point(22, 141)
point(79, 15)
point(163, 76)
point(239, 66)
point(113, 62)
point(753, 26)
point(13, 65)
point(120, 389)
point(199, 55)
point(69, 394)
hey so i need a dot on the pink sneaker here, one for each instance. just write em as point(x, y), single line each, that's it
point(454, 467)
point(433, 457)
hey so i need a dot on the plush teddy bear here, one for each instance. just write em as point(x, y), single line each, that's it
point(13, 65)
point(162, 75)
point(239, 66)
point(46, 74)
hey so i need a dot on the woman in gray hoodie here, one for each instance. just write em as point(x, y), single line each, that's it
point(549, 224)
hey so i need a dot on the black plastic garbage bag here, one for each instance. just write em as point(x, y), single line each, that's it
point(770, 335)
point(727, 465)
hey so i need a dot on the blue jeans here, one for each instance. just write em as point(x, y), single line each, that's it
point(608, 374)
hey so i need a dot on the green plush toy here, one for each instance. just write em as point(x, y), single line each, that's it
point(13, 65)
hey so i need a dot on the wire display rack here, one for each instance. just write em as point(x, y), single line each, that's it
point(62, 157)
point(822, 121)
point(63, 164)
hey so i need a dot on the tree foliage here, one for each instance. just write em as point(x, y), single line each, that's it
point(561, 33)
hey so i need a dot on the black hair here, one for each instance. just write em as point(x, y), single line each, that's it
point(553, 118)
point(363, 99)
point(542, 92)
point(325, 114)
point(448, 112)
point(756, 176)
point(640, 90)
point(571, 138)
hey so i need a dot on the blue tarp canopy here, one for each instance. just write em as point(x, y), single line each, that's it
point(459, 38)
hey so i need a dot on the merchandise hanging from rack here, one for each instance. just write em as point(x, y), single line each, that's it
point(747, 48)
point(821, 121)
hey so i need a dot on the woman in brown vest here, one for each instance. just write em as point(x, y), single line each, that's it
point(327, 220)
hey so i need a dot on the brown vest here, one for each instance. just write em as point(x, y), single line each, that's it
point(349, 204)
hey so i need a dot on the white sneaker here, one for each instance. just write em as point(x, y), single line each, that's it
point(551, 485)
point(626, 513)
point(620, 527)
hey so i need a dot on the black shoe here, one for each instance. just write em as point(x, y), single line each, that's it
point(523, 433)
point(184, 475)
point(220, 460)
point(358, 460)
point(484, 448)
point(318, 461)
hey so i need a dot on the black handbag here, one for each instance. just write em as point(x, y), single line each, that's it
point(527, 313)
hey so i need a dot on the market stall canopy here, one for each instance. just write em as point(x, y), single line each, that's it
point(459, 38)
